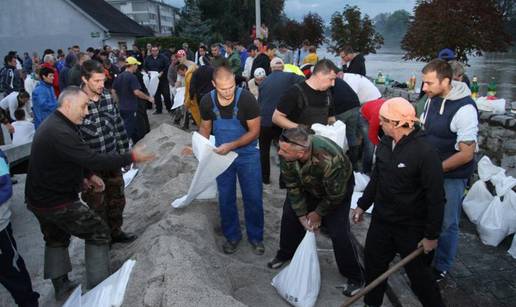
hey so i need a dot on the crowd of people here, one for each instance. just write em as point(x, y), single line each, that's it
point(89, 109)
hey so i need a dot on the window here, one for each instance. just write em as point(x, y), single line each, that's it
point(139, 6)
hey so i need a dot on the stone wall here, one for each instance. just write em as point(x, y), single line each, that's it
point(497, 132)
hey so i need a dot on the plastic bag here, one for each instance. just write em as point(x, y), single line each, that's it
point(496, 106)
point(512, 250)
point(300, 281)
point(361, 181)
point(476, 201)
point(151, 82)
point(486, 169)
point(491, 227)
point(335, 132)
point(179, 98)
point(210, 166)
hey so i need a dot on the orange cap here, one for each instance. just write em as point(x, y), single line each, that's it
point(399, 110)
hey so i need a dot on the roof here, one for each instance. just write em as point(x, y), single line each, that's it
point(114, 21)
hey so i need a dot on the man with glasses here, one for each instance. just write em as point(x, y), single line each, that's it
point(232, 115)
point(406, 188)
point(319, 181)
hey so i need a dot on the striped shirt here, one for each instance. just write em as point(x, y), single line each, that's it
point(103, 128)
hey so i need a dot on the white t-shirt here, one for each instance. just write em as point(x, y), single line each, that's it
point(23, 132)
point(365, 89)
point(247, 67)
point(10, 102)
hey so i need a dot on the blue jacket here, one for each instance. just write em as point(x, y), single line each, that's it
point(6, 189)
point(44, 102)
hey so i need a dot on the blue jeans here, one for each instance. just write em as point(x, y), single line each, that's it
point(247, 168)
point(448, 241)
point(129, 118)
point(368, 148)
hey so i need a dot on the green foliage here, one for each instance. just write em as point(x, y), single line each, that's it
point(167, 42)
point(470, 27)
point(392, 26)
point(349, 28)
point(191, 23)
point(292, 33)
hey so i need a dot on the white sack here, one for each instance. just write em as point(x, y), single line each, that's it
point(486, 169)
point(504, 185)
point(491, 226)
point(109, 293)
point(179, 98)
point(512, 250)
point(509, 211)
point(361, 181)
point(129, 176)
point(74, 300)
point(335, 132)
point(496, 106)
point(476, 201)
point(354, 200)
point(300, 281)
point(210, 166)
point(151, 82)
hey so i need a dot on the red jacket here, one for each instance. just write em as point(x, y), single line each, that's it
point(56, 77)
point(371, 112)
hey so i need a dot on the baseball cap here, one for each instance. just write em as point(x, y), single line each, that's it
point(276, 62)
point(132, 61)
point(259, 73)
point(399, 110)
point(180, 53)
point(446, 54)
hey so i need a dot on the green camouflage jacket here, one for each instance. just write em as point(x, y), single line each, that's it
point(323, 178)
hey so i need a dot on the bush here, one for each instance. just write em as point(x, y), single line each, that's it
point(167, 42)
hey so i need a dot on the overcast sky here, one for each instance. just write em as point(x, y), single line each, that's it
point(297, 8)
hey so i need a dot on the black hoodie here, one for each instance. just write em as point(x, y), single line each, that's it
point(356, 66)
point(407, 185)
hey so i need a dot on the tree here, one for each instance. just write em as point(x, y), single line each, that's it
point(191, 23)
point(290, 33)
point(469, 27)
point(349, 28)
point(392, 26)
point(313, 29)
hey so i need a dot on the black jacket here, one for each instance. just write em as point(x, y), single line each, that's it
point(357, 65)
point(58, 162)
point(262, 60)
point(407, 185)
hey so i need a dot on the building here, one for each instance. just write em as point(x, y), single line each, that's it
point(157, 15)
point(34, 25)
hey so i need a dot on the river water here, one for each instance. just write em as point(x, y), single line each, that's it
point(501, 66)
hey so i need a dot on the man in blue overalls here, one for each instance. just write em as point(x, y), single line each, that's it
point(232, 115)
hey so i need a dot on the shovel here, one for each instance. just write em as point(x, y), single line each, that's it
point(384, 276)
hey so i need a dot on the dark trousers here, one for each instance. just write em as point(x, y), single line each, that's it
point(129, 118)
point(337, 224)
point(267, 135)
point(382, 243)
point(142, 120)
point(164, 90)
point(77, 219)
point(13, 273)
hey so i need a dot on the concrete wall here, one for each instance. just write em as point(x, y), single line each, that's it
point(34, 25)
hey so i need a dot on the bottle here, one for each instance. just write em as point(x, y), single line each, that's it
point(412, 82)
point(491, 87)
point(474, 87)
point(380, 79)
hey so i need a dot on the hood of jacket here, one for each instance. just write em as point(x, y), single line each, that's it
point(458, 91)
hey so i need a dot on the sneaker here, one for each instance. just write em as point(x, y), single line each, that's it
point(230, 247)
point(158, 112)
point(350, 288)
point(275, 263)
point(439, 275)
point(123, 237)
point(258, 248)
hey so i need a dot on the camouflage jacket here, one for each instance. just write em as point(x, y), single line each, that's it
point(320, 183)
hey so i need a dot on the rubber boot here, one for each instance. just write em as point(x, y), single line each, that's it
point(97, 264)
point(56, 267)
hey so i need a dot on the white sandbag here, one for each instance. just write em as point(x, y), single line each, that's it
point(74, 300)
point(509, 211)
point(354, 200)
point(151, 82)
point(476, 201)
point(491, 227)
point(335, 132)
point(300, 281)
point(486, 169)
point(361, 181)
point(179, 98)
point(210, 166)
point(512, 250)
point(496, 106)
point(129, 176)
point(504, 185)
